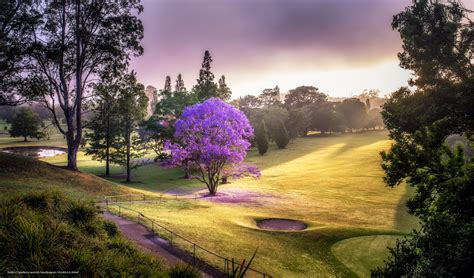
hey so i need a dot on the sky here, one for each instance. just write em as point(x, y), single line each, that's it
point(338, 46)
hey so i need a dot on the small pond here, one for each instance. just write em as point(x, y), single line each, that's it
point(36, 152)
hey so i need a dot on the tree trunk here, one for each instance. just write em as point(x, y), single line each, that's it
point(186, 172)
point(107, 149)
point(74, 141)
point(71, 156)
point(26, 139)
point(107, 161)
point(127, 142)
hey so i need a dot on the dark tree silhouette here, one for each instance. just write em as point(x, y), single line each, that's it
point(206, 87)
point(437, 46)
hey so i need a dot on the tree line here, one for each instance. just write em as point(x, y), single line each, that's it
point(305, 109)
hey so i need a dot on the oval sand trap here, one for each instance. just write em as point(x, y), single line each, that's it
point(281, 224)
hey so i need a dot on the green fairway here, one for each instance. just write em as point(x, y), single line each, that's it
point(334, 184)
point(375, 251)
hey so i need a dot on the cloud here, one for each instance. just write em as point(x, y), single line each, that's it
point(265, 35)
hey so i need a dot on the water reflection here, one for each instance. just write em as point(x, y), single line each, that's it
point(36, 152)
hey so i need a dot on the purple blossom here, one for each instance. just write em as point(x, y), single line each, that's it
point(213, 141)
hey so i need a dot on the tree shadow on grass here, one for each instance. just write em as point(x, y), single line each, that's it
point(307, 145)
point(155, 178)
point(403, 221)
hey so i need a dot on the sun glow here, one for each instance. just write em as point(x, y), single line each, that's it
point(337, 82)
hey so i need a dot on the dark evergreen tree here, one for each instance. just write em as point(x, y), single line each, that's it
point(166, 92)
point(179, 87)
point(206, 87)
point(104, 126)
point(25, 124)
point(261, 138)
point(132, 104)
point(281, 137)
point(223, 92)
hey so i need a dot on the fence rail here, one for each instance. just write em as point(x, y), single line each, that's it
point(121, 211)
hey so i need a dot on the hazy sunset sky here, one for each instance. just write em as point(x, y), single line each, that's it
point(339, 46)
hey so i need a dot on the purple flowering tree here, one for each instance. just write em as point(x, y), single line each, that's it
point(213, 142)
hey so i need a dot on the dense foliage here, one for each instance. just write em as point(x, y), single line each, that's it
point(437, 41)
point(120, 105)
point(104, 127)
point(25, 124)
point(212, 138)
point(50, 232)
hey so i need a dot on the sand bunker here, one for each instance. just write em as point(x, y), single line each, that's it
point(281, 224)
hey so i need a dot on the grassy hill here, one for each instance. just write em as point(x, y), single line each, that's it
point(21, 174)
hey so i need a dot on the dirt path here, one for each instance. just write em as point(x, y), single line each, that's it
point(157, 246)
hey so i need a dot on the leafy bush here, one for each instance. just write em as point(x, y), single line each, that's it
point(49, 231)
point(184, 271)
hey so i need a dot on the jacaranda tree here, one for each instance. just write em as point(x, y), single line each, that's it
point(212, 138)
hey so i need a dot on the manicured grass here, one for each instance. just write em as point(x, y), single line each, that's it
point(4, 124)
point(375, 252)
point(332, 183)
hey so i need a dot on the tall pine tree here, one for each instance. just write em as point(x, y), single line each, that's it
point(167, 91)
point(132, 104)
point(205, 87)
point(223, 92)
point(104, 125)
point(179, 87)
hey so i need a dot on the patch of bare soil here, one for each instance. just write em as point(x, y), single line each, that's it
point(281, 224)
point(237, 196)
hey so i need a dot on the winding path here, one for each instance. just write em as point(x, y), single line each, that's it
point(157, 246)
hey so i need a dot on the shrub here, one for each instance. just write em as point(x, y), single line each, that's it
point(49, 231)
point(110, 228)
point(184, 271)
point(261, 138)
point(281, 136)
point(81, 212)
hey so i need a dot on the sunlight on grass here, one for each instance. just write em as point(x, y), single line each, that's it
point(375, 252)
point(334, 184)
